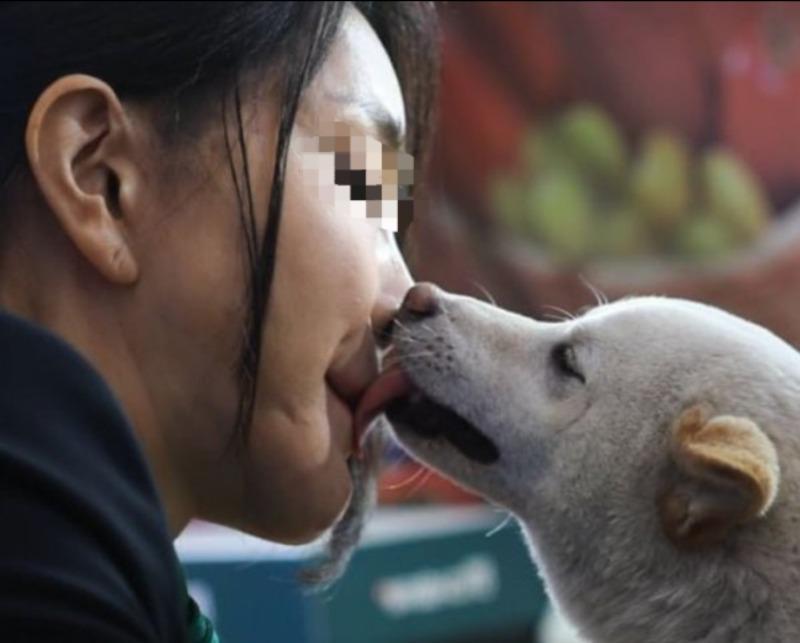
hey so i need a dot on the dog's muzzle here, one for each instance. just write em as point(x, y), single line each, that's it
point(408, 407)
point(431, 420)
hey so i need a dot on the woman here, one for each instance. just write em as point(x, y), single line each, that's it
point(186, 324)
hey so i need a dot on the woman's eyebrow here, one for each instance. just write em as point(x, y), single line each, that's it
point(389, 130)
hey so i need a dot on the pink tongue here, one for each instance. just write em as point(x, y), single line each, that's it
point(390, 385)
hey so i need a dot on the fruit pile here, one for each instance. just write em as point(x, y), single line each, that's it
point(582, 194)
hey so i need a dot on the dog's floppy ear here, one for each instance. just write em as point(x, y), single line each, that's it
point(728, 476)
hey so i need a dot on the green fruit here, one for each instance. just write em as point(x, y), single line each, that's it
point(560, 215)
point(734, 195)
point(621, 232)
point(704, 237)
point(660, 181)
point(594, 143)
point(507, 196)
point(543, 151)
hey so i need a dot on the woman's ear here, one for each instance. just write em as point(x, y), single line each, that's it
point(80, 151)
point(728, 475)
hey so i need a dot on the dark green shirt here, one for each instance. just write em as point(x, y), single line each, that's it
point(85, 553)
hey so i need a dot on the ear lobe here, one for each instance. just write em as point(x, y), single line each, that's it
point(729, 476)
point(73, 142)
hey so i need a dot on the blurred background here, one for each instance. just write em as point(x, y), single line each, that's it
point(631, 148)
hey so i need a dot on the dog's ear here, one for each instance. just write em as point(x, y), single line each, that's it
point(728, 475)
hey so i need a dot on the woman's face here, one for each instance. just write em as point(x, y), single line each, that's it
point(338, 278)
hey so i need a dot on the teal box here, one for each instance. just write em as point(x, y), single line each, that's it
point(421, 575)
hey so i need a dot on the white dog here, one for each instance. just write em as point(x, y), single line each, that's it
point(650, 448)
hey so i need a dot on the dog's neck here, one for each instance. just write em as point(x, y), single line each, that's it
point(626, 592)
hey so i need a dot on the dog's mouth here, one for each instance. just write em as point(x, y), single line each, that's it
point(408, 407)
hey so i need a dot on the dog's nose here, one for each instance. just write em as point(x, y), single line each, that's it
point(422, 300)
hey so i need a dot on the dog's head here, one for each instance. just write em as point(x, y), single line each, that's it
point(649, 424)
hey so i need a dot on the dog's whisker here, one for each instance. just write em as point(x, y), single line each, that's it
point(417, 324)
point(412, 334)
point(485, 292)
point(566, 314)
point(427, 475)
point(499, 526)
point(427, 328)
point(599, 296)
point(410, 480)
point(409, 340)
point(402, 325)
point(405, 327)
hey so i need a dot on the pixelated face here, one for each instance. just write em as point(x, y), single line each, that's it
point(363, 177)
point(338, 276)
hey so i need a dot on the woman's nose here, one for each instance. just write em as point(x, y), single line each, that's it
point(395, 281)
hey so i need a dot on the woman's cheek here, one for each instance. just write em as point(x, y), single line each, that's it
point(359, 280)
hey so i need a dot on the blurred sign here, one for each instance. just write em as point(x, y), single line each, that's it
point(473, 580)
point(422, 575)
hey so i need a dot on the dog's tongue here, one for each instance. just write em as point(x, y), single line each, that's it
point(390, 385)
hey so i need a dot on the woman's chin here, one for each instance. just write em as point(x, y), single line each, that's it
point(301, 525)
point(340, 420)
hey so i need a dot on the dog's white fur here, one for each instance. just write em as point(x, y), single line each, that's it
point(585, 467)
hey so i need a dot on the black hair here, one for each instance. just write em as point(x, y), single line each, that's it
point(190, 59)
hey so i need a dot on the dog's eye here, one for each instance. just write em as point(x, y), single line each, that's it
point(563, 357)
